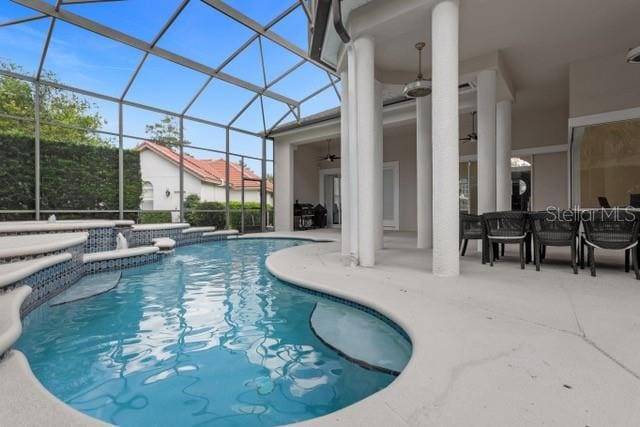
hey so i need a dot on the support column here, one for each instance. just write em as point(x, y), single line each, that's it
point(366, 136)
point(181, 169)
point(345, 196)
point(36, 102)
point(503, 156)
point(283, 177)
point(486, 141)
point(424, 165)
point(354, 201)
point(445, 124)
point(379, 160)
point(120, 161)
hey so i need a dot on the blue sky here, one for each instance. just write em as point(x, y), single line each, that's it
point(89, 61)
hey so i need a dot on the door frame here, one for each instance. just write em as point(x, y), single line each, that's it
point(321, 174)
point(395, 223)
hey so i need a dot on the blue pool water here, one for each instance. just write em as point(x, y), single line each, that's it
point(205, 337)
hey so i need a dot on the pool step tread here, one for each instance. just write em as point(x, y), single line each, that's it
point(198, 230)
point(13, 272)
point(360, 337)
point(10, 323)
point(119, 253)
point(57, 226)
point(27, 402)
point(160, 226)
point(220, 233)
point(36, 244)
point(164, 243)
point(88, 287)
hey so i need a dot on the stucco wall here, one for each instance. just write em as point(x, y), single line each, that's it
point(530, 128)
point(305, 170)
point(602, 84)
point(550, 186)
point(164, 175)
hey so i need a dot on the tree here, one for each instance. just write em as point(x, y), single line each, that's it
point(56, 106)
point(166, 132)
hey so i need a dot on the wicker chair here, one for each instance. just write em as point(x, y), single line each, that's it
point(506, 228)
point(555, 229)
point(611, 229)
point(470, 229)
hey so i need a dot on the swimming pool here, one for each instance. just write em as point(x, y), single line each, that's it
point(204, 337)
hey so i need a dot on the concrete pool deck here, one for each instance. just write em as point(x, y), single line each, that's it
point(495, 346)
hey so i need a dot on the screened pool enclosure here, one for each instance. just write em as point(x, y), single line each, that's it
point(84, 82)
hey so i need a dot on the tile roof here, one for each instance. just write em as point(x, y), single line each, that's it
point(208, 170)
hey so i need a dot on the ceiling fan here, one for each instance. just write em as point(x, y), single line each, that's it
point(473, 136)
point(329, 157)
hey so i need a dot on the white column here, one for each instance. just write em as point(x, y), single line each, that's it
point(486, 141)
point(445, 124)
point(379, 129)
point(503, 156)
point(366, 135)
point(352, 120)
point(424, 164)
point(283, 195)
point(345, 196)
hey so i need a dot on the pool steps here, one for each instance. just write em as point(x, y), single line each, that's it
point(221, 233)
point(39, 260)
point(88, 287)
point(199, 230)
point(20, 247)
point(119, 253)
point(13, 272)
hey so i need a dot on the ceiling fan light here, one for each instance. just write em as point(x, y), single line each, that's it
point(417, 89)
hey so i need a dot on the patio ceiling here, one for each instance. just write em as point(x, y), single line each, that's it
point(236, 64)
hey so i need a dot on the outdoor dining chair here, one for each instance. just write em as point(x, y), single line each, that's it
point(470, 229)
point(558, 228)
point(506, 228)
point(612, 229)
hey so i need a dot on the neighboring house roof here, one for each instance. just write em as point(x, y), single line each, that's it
point(235, 174)
point(208, 170)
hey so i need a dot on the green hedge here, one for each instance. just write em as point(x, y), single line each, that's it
point(73, 176)
point(153, 217)
point(217, 219)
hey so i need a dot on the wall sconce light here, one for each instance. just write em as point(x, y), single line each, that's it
point(167, 193)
